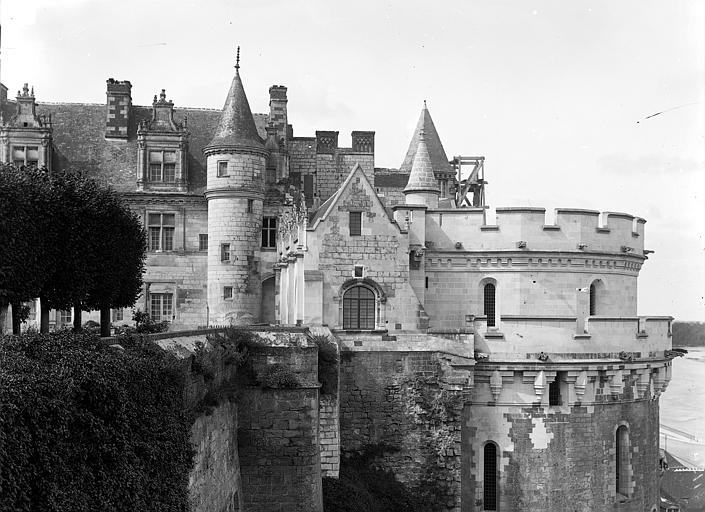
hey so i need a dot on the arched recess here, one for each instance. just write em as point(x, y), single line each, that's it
point(490, 476)
point(488, 292)
point(596, 298)
point(361, 303)
point(268, 300)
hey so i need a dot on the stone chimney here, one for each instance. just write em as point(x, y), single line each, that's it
point(119, 99)
point(326, 141)
point(277, 110)
point(363, 142)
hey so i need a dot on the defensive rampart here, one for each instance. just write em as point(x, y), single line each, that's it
point(528, 229)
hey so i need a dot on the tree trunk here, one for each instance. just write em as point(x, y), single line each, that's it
point(104, 322)
point(44, 316)
point(16, 321)
point(77, 317)
point(4, 312)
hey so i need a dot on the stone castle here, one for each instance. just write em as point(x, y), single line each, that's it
point(505, 353)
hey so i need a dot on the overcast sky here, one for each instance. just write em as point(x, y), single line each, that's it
point(554, 94)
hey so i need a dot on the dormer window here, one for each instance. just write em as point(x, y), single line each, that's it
point(163, 146)
point(162, 166)
point(25, 155)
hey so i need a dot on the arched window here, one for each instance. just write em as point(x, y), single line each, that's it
point(359, 306)
point(593, 299)
point(622, 460)
point(490, 489)
point(489, 304)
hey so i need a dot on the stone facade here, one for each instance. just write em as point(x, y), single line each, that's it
point(503, 357)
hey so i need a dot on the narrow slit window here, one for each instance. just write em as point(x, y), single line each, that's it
point(593, 299)
point(622, 461)
point(490, 487)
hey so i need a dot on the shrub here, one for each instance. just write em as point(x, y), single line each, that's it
point(86, 427)
point(328, 364)
point(279, 376)
point(363, 487)
point(144, 324)
point(203, 362)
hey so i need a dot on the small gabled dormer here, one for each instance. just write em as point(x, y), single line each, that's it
point(26, 139)
point(162, 144)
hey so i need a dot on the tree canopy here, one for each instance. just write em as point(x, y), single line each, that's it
point(67, 239)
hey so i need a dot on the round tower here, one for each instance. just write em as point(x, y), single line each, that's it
point(235, 192)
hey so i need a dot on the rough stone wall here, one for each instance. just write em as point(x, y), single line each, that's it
point(278, 436)
point(391, 195)
point(215, 483)
point(333, 168)
point(562, 458)
point(405, 400)
point(329, 435)
point(278, 446)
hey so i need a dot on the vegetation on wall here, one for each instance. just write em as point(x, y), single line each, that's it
point(328, 364)
point(84, 427)
point(364, 487)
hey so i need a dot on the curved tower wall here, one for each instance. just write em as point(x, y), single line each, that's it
point(553, 380)
point(235, 218)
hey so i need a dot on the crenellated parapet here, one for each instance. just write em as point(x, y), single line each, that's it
point(529, 230)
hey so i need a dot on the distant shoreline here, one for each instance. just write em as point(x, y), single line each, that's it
point(688, 334)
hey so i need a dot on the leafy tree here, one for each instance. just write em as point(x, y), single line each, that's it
point(86, 249)
point(24, 246)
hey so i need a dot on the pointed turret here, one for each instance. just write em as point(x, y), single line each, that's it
point(439, 160)
point(237, 126)
point(235, 193)
point(422, 187)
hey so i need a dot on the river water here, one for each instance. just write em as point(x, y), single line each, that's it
point(683, 409)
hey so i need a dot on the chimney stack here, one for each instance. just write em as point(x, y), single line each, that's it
point(119, 99)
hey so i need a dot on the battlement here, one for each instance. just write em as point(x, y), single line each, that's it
point(528, 229)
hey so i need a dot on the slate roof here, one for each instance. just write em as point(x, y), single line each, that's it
point(236, 126)
point(80, 143)
point(391, 180)
point(439, 160)
point(421, 178)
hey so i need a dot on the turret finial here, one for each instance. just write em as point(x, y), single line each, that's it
point(424, 104)
point(237, 59)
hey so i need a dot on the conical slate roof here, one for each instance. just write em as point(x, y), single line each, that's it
point(421, 178)
point(236, 126)
point(439, 160)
